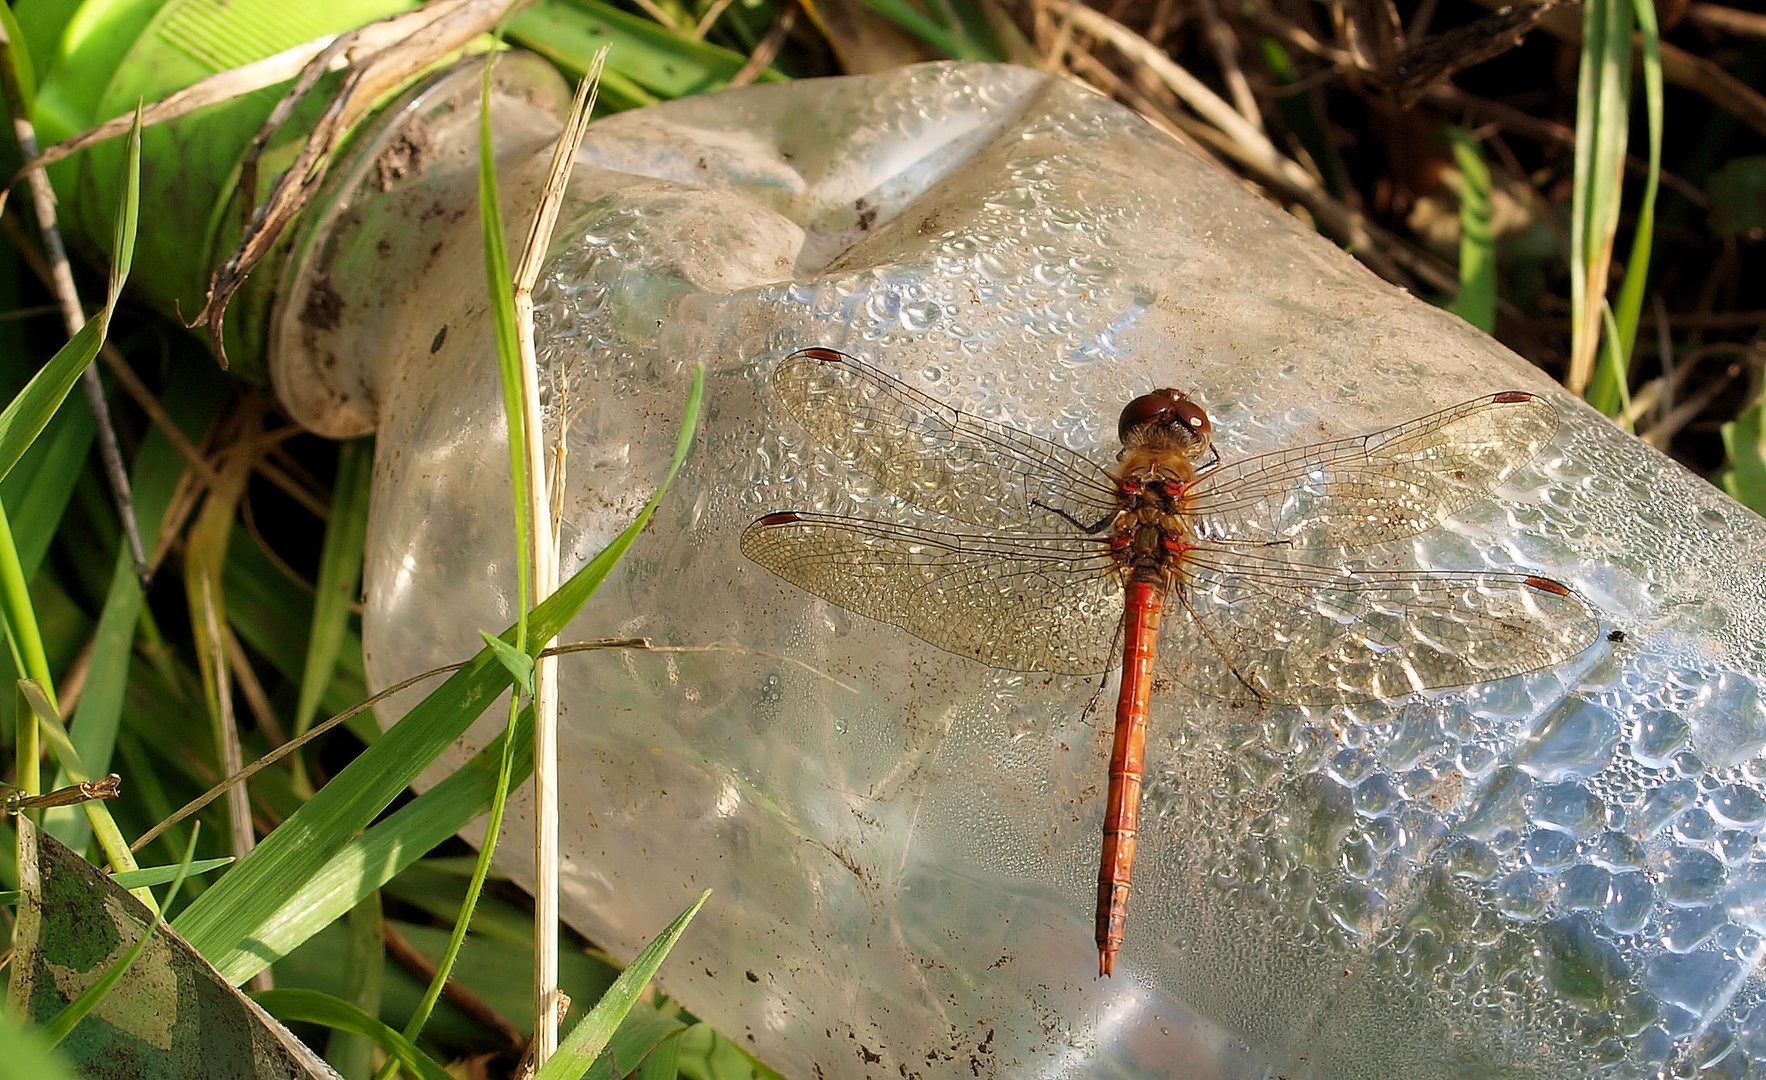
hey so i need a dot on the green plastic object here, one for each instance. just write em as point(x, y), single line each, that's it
point(96, 59)
point(168, 1016)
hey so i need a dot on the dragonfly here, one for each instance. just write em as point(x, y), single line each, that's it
point(1243, 580)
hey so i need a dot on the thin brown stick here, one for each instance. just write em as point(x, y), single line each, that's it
point(768, 50)
point(1660, 434)
point(458, 994)
point(295, 490)
point(248, 517)
point(709, 19)
point(226, 727)
point(1727, 20)
point(67, 296)
point(1157, 113)
point(1679, 68)
point(251, 688)
point(1225, 46)
point(156, 414)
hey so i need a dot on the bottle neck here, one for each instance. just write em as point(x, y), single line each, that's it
point(389, 265)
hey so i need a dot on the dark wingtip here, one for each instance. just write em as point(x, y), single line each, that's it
point(780, 517)
point(1511, 397)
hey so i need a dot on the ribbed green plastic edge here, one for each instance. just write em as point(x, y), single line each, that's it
point(96, 58)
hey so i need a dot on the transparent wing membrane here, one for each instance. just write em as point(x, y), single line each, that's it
point(929, 454)
point(1375, 488)
point(1308, 635)
point(1255, 611)
point(1022, 603)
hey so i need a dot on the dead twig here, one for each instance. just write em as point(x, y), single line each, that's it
point(67, 296)
point(768, 50)
point(1679, 68)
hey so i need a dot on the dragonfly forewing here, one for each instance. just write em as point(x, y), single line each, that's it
point(935, 457)
point(1376, 488)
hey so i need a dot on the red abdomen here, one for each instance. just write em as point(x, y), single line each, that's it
point(1144, 602)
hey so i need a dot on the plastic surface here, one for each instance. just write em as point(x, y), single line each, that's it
point(1559, 874)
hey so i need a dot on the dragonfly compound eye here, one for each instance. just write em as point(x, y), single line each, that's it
point(1166, 408)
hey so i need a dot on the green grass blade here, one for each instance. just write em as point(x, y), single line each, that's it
point(192, 402)
point(579, 1050)
point(149, 876)
point(364, 986)
point(663, 1062)
point(29, 413)
point(384, 851)
point(313, 1007)
point(37, 491)
point(110, 839)
point(970, 18)
point(1610, 390)
point(24, 418)
point(1609, 383)
point(649, 1037)
point(29, 1056)
point(647, 61)
point(22, 71)
point(277, 621)
point(122, 241)
point(519, 664)
point(1476, 302)
point(340, 570)
point(522, 427)
point(493, 829)
point(910, 18)
point(228, 917)
point(26, 638)
point(1744, 439)
point(706, 1053)
point(500, 287)
point(1602, 128)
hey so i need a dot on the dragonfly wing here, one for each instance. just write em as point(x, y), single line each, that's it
point(1258, 625)
point(937, 458)
point(1020, 603)
point(1374, 488)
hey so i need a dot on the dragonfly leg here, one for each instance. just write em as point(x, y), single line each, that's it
point(1090, 530)
point(1097, 695)
point(1257, 692)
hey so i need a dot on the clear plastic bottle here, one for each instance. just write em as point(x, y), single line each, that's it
point(1556, 875)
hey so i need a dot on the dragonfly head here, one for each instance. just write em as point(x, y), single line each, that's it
point(1165, 420)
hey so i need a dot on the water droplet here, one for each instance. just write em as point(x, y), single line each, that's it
point(1580, 965)
point(1577, 738)
point(1658, 735)
point(1738, 806)
point(1696, 982)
